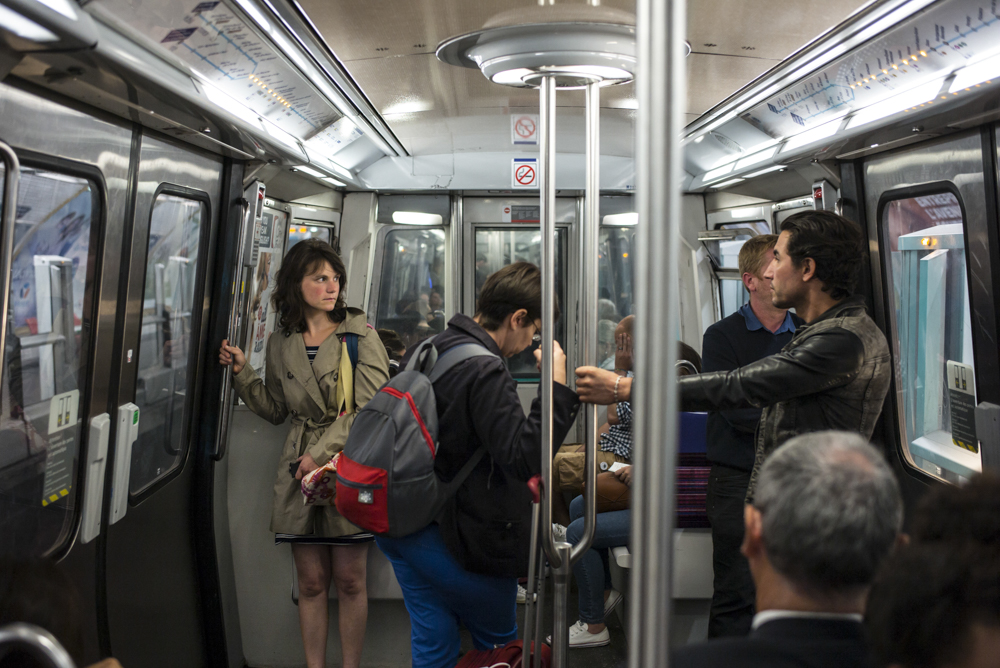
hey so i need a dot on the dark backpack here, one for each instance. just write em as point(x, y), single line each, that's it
point(386, 482)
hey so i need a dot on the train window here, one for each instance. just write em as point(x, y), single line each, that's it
point(932, 333)
point(45, 370)
point(166, 349)
point(412, 291)
point(732, 293)
point(496, 248)
point(614, 267)
point(299, 231)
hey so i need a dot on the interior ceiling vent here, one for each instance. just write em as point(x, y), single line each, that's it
point(727, 142)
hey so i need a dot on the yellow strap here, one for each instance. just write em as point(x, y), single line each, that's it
point(345, 382)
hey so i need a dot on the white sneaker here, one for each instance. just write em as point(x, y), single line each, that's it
point(558, 532)
point(580, 637)
point(522, 595)
point(613, 600)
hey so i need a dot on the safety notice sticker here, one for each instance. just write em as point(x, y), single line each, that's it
point(524, 129)
point(524, 173)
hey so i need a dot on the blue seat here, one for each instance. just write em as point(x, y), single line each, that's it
point(692, 436)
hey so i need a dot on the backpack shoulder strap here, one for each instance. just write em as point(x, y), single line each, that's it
point(453, 356)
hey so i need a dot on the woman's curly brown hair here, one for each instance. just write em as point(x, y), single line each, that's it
point(304, 258)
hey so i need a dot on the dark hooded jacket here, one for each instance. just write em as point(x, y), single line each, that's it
point(486, 525)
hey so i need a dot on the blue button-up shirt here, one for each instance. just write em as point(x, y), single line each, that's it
point(753, 324)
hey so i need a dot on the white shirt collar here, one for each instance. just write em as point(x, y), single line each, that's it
point(770, 615)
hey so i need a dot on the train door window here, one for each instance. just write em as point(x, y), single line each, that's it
point(45, 369)
point(932, 333)
point(496, 248)
point(732, 293)
point(411, 290)
point(167, 348)
point(299, 231)
point(614, 266)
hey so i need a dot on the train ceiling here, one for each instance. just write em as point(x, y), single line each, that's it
point(387, 46)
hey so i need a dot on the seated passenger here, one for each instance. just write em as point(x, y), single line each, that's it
point(463, 569)
point(936, 602)
point(833, 374)
point(826, 514)
point(615, 442)
point(394, 348)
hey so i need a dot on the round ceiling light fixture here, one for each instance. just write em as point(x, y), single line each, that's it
point(576, 45)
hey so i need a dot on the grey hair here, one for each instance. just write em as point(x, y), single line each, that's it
point(831, 511)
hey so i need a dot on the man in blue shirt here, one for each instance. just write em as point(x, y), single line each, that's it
point(758, 329)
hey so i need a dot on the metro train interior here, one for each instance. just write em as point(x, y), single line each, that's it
point(159, 160)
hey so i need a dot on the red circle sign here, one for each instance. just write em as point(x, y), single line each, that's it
point(506, 209)
point(525, 175)
point(524, 127)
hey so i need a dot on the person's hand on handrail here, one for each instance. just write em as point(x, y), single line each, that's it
point(598, 386)
point(232, 355)
point(558, 362)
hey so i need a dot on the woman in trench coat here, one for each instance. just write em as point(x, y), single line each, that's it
point(305, 357)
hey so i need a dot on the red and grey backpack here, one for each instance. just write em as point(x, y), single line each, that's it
point(386, 482)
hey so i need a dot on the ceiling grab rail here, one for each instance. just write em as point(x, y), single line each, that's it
point(38, 642)
point(660, 85)
point(8, 219)
point(232, 331)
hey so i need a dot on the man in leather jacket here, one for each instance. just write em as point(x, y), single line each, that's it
point(833, 374)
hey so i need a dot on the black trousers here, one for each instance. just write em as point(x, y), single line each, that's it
point(733, 598)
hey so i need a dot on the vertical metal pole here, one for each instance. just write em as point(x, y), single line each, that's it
point(661, 91)
point(588, 336)
point(8, 218)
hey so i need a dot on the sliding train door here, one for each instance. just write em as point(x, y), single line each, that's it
point(65, 205)
point(150, 567)
point(929, 210)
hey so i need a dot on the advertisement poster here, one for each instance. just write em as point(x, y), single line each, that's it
point(269, 261)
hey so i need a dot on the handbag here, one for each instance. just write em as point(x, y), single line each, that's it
point(511, 655)
point(320, 484)
point(612, 493)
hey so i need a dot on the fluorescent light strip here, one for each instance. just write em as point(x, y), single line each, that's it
point(764, 171)
point(756, 158)
point(718, 171)
point(971, 75)
point(746, 212)
point(255, 14)
point(416, 218)
point(310, 171)
point(809, 136)
point(727, 183)
point(895, 104)
point(620, 219)
point(333, 182)
point(24, 27)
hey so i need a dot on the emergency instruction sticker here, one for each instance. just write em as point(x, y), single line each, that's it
point(962, 401)
point(63, 412)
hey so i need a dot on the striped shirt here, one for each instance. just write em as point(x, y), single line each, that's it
point(311, 353)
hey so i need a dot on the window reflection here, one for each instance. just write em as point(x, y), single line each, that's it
point(43, 375)
point(412, 290)
point(615, 275)
point(497, 248)
point(166, 348)
point(935, 373)
point(300, 232)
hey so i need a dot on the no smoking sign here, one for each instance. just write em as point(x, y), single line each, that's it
point(524, 173)
point(524, 129)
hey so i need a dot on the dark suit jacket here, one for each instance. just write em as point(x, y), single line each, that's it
point(784, 643)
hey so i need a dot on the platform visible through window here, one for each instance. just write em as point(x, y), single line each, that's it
point(924, 244)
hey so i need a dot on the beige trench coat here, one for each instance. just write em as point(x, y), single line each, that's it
point(308, 393)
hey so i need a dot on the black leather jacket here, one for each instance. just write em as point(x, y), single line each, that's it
point(833, 374)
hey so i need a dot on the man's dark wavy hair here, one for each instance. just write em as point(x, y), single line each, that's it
point(834, 243)
point(304, 258)
point(513, 287)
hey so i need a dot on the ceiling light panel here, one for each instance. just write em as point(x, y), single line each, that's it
point(219, 44)
point(907, 54)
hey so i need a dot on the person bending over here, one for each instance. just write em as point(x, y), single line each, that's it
point(463, 569)
point(826, 514)
point(833, 374)
point(305, 378)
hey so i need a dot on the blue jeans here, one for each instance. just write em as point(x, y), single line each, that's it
point(439, 594)
point(592, 573)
